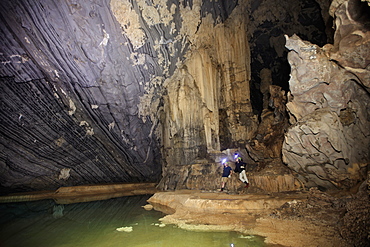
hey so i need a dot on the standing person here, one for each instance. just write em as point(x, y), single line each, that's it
point(240, 168)
point(225, 174)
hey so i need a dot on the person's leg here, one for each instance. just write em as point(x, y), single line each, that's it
point(223, 183)
point(244, 175)
point(241, 177)
point(245, 178)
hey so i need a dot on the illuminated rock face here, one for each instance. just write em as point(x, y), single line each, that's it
point(207, 107)
point(329, 142)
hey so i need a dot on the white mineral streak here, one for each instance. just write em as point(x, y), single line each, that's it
point(89, 130)
point(156, 12)
point(64, 173)
point(27, 40)
point(128, 18)
point(72, 108)
point(111, 125)
point(104, 42)
point(138, 59)
point(190, 19)
point(83, 123)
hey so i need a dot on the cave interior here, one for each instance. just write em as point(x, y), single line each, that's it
point(118, 91)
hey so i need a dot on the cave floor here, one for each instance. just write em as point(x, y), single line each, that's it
point(284, 219)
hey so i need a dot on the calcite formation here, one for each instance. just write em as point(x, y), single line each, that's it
point(207, 107)
point(83, 193)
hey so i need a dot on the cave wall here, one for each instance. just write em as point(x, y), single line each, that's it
point(86, 87)
point(72, 78)
point(220, 63)
point(268, 22)
point(207, 107)
point(136, 91)
point(328, 148)
point(328, 144)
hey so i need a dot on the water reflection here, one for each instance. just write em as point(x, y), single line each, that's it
point(45, 223)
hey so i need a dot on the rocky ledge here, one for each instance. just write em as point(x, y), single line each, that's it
point(311, 218)
point(83, 193)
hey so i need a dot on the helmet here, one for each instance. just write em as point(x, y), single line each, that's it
point(239, 159)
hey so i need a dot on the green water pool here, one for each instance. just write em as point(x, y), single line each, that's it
point(94, 224)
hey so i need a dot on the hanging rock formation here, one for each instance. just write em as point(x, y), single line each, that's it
point(207, 107)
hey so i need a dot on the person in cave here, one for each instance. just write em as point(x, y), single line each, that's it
point(240, 168)
point(225, 174)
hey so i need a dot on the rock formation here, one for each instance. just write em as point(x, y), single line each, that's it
point(100, 90)
point(149, 91)
point(329, 141)
point(68, 98)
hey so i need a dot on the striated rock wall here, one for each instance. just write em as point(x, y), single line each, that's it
point(97, 92)
point(70, 87)
point(329, 141)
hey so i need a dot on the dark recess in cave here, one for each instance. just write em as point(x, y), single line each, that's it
point(263, 55)
point(360, 12)
point(219, 9)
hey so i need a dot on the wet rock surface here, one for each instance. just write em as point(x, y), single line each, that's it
point(312, 218)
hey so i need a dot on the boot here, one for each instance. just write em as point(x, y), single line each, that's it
point(246, 184)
